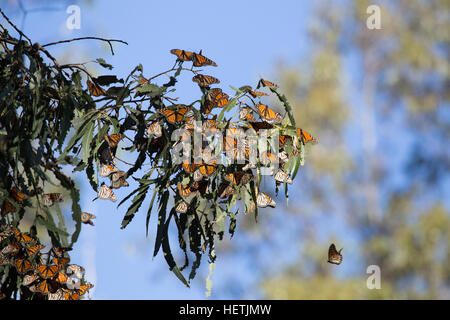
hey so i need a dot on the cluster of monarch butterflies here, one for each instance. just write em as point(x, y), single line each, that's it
point(43, 275)
point(182, 116)
point(200, 185)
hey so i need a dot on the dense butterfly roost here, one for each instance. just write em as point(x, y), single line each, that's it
point(138, 116)
point(39, 274)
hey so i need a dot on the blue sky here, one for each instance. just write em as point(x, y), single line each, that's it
point(245, 38)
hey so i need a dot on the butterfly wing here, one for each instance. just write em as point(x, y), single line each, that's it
point(334, 256)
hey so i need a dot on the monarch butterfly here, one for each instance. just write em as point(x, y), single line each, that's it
point(49, 199)
point(260, 125)
point(182, 55)
point(107, 169)
point(305, 136)
point(43, 287)
point(5, 234)
point(182, 207)
point(119, 183)
point(266, 83)
point(113, 139)
point(155, 129)
point(47, 271)
point(283, 157)
point(86, 218)
point(117, 175)
point(246, 114)
point(263, 200)
point(32, 250)
point(61, 262)
point(200, 61)
point(94, 89)
point(188, 166)
point(204, 169)
point(255, 94)
point(58, 295)
point(59, 252)
point(23, 265)
point(76, 270)
point(21, 237)
point(18, 196)
point(176, 115)
point(226, 190)
point(7, 207)
point(29, 279)
point(11, 249)
point(282, 176)
point(283, 140)
point(61, 277)
point(267, 157)
point(185, 190)
point(205, 80)
point(106, 193)
point(209, 124)
point(84, 288)
point(3, 260)
point(334, 256)
point(268, 114)
point(215, 98)
point(239, 177)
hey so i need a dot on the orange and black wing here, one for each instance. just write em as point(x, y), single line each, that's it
point(182, 55)
point(47, 271)
point(94, 89)
point(200, 61)
point(205, 80)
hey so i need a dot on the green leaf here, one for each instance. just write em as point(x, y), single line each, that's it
point(161, 232)
point(103, 63)
point(86, 143)
point(136, 204)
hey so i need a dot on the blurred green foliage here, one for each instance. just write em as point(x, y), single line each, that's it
point(378, 102)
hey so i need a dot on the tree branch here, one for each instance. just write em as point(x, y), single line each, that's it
point(87, 38)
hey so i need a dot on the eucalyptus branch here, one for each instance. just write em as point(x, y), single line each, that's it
point(87, 38)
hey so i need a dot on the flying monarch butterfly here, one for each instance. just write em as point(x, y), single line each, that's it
point(185, 190)
point(86, 218)
point(21, 237)
point(205, 80)
point(114, 139)
point(106, 193)
point(60, 277)
point(200, 61)
point(155, 129)
point(239, 177)
point(266, 83)
point(334, 256)
point(29, 279)
point(107, 169)
point(49, 199)
point(226, 190)
point(18, 196)
point(268, 114)
point(305, 136)
point(175, 115)
point(255, 94)
point(59, 252)
point(263, 200)
point(94, 89)
point(23, 265)
point(61, 262)
point(260, 125)
point(182, 55)
point(47, 271)
point(182, 207)
point(282, 176)
point(246, 114)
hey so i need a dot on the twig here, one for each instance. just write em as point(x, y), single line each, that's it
point(14, 26)
point(87, 38)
